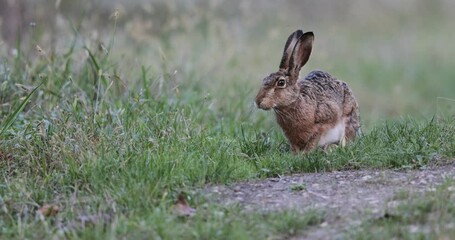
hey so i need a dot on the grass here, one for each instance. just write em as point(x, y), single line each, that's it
point(88, 220)
point(113, 134)
point(417, 216)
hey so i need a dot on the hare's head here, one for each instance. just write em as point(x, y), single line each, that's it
point(280, 88)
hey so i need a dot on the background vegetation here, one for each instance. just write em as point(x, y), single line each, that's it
point(139, 100)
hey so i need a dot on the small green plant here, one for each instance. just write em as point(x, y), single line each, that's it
point(298, 187)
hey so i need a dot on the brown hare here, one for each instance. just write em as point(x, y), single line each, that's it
point(318, 110)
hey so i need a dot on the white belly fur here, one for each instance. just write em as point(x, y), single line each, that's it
point(333, 135)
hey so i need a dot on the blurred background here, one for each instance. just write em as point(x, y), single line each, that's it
point(397, 55)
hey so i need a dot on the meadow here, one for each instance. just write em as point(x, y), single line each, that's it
point(109, 111)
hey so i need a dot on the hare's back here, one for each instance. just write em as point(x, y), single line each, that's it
point(321, 86)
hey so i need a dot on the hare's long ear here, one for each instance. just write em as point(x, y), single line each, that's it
point(301, 53)
point(288, 48)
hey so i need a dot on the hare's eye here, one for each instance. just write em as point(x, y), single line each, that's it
point(281, 83)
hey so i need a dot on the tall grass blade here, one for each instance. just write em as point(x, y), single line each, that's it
point(10, 119)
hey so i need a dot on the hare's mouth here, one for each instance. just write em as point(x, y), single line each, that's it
point(264, 106)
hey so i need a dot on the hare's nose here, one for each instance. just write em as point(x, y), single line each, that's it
point(257, 103)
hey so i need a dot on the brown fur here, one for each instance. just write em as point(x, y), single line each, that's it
point(307, 109)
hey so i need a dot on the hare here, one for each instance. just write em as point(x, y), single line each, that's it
point(316, 111)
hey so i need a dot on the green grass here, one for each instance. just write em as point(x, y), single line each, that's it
point(417, 216)
point(116, 135)
point(210, 222)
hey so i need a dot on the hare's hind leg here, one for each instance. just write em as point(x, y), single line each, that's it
point(351, 114)
point(352, 129)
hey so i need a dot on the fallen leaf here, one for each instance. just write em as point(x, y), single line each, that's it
point(181, 207)
point(48, 210)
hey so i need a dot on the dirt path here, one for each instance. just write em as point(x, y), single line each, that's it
point(347, 197)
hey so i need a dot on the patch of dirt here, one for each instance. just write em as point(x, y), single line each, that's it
point(347, 198)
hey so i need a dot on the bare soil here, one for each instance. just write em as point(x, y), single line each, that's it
point(347, 198)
